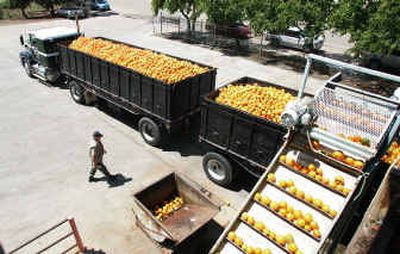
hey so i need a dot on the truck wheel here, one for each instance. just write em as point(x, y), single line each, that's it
point(77, 92)
point(28, 68)
point(218, 169)
point(150, 131)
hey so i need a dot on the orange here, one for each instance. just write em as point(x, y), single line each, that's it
point(282, 184)
point(307, 228)
point(267, 251)
point(358, 164)
point(265, 201)
point(332, 184)
point(290, 216)
point(290, 162)
point(311, 167)
point(257, 196)
point(280, 240)
point(271, 177)
point(308, 218)
point(338, 155)
point(289, 238)
point(245, 216)
point(349, 161)
point(316, 233)
point(297, 214)
point(250, 220)
point(301, 223)
point(274, 206)
point(314, 225)
point(282, 212)
point(289, 183)
point(346, 191)
point(231, 236)
point(292, 247)
point(257, 251)
point(319, 171)
point(300, 194)
point(290, 209)
point(282, 158)
point(259, 226)
point(312, 174)
point(238, 241)
point(332, 212)
point(339, 180)
point(283, 204)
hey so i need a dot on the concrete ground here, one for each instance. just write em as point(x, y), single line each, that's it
point(44, 139)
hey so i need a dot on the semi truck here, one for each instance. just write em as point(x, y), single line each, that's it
point(161, 108)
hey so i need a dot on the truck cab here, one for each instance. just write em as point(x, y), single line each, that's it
point(40, 56)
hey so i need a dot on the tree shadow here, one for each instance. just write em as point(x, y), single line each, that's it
point(114, 181)
point(93, 251)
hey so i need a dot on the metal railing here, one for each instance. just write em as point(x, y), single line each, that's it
point(73, 233)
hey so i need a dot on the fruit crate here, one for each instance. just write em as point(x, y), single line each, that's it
point(195, 211)
point(239, 134)
point(169, 103)
point(270, 218)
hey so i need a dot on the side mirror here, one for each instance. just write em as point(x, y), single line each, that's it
point(21, 40)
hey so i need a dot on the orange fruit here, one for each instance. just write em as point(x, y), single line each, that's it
point(267, 251)
point(349, 161)
point(301, 223)
point(259, 226)
point(257, 196)
point(332, 184)
point(346, 191)
point(265, 201)
point(250, 220)
point(290, 209)
point(358, 164)
point(289, 238)
point(231, 236)
point(271, 177)
point(308, 198)
point(282, 158)
point(338, 155)
point(292, 248)
point(282, 184)
point(289, 183)
point(319, 171)
point(297, 214)
point(312, 174)
point(300, 194)
point(274, 206)
point(290, 216)
point(245, 216)
point(339, 180)
point(283, 204)
point(238, 241)
point(282, 212)
point(290, 162)
point(307, 228)
point(332, 212)
point(314, 225)
point(308, 218)
point(280, 240)
point(311, 167)
point(316, 233)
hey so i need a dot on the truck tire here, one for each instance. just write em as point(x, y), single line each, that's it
point(28, 68)
point(218, 169)
point(77, 92)
point(151, 132)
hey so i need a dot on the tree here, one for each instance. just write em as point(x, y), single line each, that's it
point(224, 11)
point(190, 9)
point(310, 16)
point(21, 5)
point(372, 25)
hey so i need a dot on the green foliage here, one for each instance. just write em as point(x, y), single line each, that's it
point(278, 15)
point(19, 4)
point(224, 11)
point(372, 25)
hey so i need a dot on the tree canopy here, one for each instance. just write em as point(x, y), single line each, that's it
point(372, 25)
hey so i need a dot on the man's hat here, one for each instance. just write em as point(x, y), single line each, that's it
point(97, 134)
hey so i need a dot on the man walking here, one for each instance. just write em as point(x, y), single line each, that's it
point(96, 153)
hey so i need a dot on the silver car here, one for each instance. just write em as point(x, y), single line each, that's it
point(295, 38)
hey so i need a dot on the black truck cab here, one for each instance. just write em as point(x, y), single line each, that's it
point(40, 57)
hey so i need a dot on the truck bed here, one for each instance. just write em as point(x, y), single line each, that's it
point(169, 103)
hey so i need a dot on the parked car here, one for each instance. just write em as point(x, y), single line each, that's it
point(237, 30)
point(99, 5)
point(295, 38)
point(70, 12)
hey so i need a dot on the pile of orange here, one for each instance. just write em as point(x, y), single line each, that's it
point(340, 156)
point(158, 66)
point(392, 153)
point(297, 217)
point(290, 187)
point(167, 208)
point(285, 241)
point(246, 248)
point(262, 101)
point(316, 173)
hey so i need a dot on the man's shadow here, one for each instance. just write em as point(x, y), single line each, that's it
point(114, 181)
